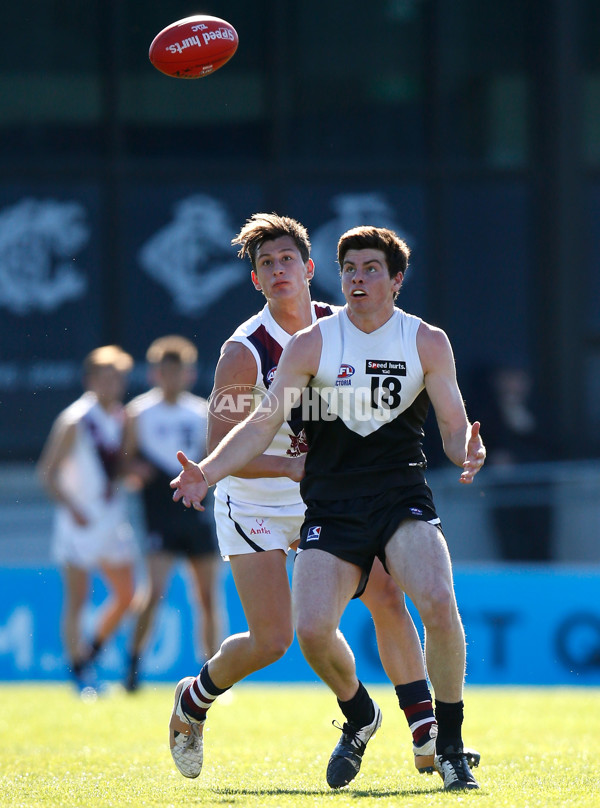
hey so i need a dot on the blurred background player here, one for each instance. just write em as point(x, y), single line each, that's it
point(159, 422)
point(91, 529)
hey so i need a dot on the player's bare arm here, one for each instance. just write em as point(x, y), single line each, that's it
point(59, 444)
point(129, 446)
point(137, 471)
point(236, 373)
point(299, 362)
point(461, 440)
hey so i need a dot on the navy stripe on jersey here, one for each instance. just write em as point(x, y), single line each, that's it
point(247, 539)
point(269, 351)
point(109, 456)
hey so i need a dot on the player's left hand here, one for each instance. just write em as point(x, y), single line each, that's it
point(190, 486)
point(475, 455)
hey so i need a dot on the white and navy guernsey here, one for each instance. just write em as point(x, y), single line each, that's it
point(364, 411)
point(162, 429)
point(265, 339)
point(94, 456)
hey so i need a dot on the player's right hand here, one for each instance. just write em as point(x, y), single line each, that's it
point(190, 486)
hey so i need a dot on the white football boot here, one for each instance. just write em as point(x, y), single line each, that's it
point(425, 753)
point(185, 736)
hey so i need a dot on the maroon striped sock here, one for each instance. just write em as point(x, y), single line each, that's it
point(415, 701)
point(197, 698)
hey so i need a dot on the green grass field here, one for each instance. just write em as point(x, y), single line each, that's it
point(268, 746)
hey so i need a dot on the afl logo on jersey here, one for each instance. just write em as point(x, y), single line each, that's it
point(346, 371)
point(270, 375)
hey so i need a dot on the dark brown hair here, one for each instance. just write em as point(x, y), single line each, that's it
point(261, 227)
point(396, 251)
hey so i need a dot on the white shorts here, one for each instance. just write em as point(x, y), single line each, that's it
point(244, 527)
point(108, 539)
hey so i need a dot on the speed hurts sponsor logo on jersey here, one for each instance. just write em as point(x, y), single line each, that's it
point(416, 511)
point(385, 367)
point(313, 533)
point(344, 376)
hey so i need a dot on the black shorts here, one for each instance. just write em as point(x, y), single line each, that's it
point(171, 527)
point(198, 539)
point(358, 529)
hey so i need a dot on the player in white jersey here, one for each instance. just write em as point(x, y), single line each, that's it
point(254, 513)
point(366, 493)
point(91, 529)
point(259, 511)
point(158, 422)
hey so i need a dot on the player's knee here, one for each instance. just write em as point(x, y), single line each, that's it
point(438, 607)
point(274, 646)
point(313, 635)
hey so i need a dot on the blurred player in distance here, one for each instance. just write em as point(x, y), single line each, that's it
point(158, 422)
point(259, 510)
point(91, 530)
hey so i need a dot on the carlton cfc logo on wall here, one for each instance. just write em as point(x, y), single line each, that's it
point(40, 242)
point(346, 371)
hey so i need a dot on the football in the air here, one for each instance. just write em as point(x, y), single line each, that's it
point(193, 47)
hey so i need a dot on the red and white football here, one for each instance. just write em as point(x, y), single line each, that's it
point(193, 47)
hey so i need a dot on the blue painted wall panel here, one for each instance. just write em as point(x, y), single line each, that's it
point(524, 626)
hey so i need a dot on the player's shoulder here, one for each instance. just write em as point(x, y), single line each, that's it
point(432, 343)
point(303, 351)
point(76, 411)
point(144, 401)
point(236, 354)
point(307, 339)
point(326, 322)
point(429, 332)
point(248, 327)
point(408, 317)
point(193, 402)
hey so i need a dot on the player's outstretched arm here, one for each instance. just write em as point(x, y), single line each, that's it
point(231, 402)
point(252, 436)
point(247, 440)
